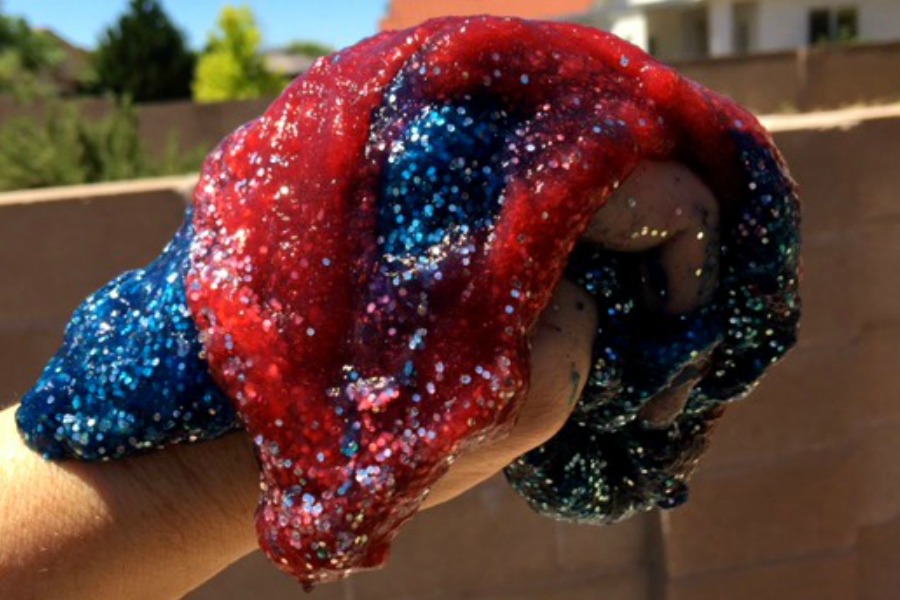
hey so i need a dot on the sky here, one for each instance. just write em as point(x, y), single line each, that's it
point(282, 21)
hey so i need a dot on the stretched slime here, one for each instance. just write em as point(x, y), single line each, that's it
point(358, 277)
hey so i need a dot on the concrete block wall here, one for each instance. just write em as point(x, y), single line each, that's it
point(804, 80)
point(56, 247)
point(798, 497)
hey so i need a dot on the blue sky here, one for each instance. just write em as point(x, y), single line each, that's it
point(282, 21)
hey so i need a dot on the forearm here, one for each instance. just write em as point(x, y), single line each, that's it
point(151, 527)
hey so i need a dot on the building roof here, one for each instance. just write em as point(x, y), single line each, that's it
point(75, 61)
point(285, 62)
point(406, 13)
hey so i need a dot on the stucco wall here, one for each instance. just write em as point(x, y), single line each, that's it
point(799, 496)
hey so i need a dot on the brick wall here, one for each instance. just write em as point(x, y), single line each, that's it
point(799, 496)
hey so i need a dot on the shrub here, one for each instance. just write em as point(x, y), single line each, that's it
point(63, 148)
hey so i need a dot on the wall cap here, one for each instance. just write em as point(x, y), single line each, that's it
point(844, 118)
point(183, 184)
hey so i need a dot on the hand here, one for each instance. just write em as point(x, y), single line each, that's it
point(661, 205)
point(159, 525)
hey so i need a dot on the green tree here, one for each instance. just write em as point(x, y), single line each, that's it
point(26, 56)
point(144, 56)
point(232, 68)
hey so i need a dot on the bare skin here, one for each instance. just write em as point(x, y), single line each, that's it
point(665, 209)
point(159, 525)
point(667, 198)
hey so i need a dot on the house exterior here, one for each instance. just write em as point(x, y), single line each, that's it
point(691, 29)
point(286, 63)
point(68, 73)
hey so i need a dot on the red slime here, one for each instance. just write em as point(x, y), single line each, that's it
point(360, 382)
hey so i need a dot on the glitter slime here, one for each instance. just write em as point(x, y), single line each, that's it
point(364, 263)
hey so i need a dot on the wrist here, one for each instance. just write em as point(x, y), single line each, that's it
point(153, 526)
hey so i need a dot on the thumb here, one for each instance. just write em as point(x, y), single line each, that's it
point(560, 363)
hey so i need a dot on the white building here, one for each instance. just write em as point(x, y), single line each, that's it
point(688, 29)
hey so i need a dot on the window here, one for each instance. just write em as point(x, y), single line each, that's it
point(695, 36)
point(744, 31)
point(833, 25)
point(819, 26)
point(846, 30)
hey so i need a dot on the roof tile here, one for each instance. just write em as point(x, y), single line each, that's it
point(406, 13)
